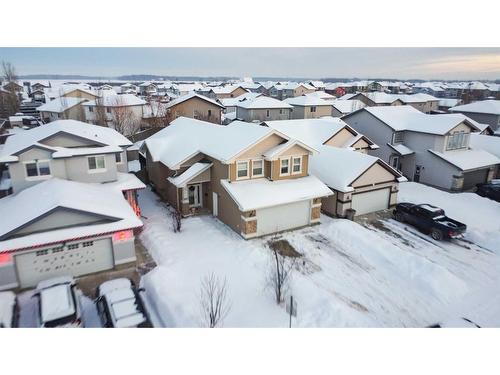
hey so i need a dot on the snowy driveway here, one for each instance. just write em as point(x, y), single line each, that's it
point(350, 275)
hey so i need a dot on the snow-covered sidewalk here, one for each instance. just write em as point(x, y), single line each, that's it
point(349, 275)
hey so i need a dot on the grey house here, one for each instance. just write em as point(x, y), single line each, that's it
point(484, 112)
point(60, 227)
point(431, 149)
point(263, 108)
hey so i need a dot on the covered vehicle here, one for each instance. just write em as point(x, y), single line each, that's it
point(59, 303)
point(429, 219)
point(119, 305)
point(489, 190)
point(9, 310)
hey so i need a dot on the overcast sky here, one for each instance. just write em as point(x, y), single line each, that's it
point(398, 63)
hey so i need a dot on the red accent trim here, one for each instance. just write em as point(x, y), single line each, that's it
point(68, 239)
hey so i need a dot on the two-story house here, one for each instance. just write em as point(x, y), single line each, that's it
point(74, 206)
point(283, 91)
point(147, 88)
point(263, 108)
point(195, 106)
point(306, 106)
point(62, 108)
point(432, 149)
point(485, 111)
point(357, 181)
point(253, 178)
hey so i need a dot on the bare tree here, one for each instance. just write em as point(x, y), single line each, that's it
point(280, 274)
point(214, 302)
point(176, 220)
point(100, 112)
point(124, 120)
point(9, 103)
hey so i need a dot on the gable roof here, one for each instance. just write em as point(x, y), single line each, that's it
point(33, 137)
point(405, 117)
point(486, 142)
point(46, 196)
point(263, 102)
point(347, 106)
point(189, 96)
point(59, 105)
point(305, 100)
point(187, 137)
point(275, 152)
point(468, 159)
point(231, 102)
point(484, 106)
point(195, 170)
point(122, 100)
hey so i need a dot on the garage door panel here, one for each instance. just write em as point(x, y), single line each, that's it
point(371, 201)
point(283, 217)
point(73, 259)
point(471, 179)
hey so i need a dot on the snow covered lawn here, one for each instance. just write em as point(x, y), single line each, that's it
point(350, 275)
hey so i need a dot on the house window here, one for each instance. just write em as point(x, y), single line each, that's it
point(96, 163)
point(108, 110)
point(397, 137)
point(457, 141)
point(91, 109)
point(88, 243)
point(73, 246)
point(285, 164)
point(281, 111)
point(38, 168)
point(118, 158)
point(242, 169)
point(257, 168)
point(209, 113)
point(297, 164)
point(267, 113)
point(313, 109)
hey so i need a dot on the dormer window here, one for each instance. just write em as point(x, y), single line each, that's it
point(285, 167)
point(296, 164)
point(457, 141)
point(241, 170)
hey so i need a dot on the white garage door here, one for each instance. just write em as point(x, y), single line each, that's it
point(370, 201)
point(78, 258)
point(287, 216)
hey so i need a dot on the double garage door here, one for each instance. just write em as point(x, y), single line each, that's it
point(283, 217)
point(371, 201)
point(74, 259)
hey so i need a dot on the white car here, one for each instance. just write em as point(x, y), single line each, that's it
point(9, 312)
point(59, 303)
point(120, 306)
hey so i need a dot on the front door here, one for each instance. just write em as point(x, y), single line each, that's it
point(194, 195)
point(416, 176)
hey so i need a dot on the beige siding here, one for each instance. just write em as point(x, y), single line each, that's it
point(340, 138)
point(276, 165)
point(376, 174)
point(196, 108)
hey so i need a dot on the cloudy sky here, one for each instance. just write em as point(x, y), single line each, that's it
point(399, 63)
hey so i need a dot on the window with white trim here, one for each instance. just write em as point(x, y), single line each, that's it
point(296, 164)
point(91, 109)
point(457, 140)
point(37, 168)
point(284, 166)
point(397, 137)
point(313, 109)
point(118, 158)
point(257, 168)
point(96, 163)
point(242, 169)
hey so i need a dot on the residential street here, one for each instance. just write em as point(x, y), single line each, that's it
point(373, 274)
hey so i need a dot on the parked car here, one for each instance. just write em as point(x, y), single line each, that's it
point(9, 310)
point(120, 305)
point(429, 219)
point(489, 190)
point(59, 303)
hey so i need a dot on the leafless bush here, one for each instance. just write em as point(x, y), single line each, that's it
point(214, 302)
point(176, 220)
point(280, 274)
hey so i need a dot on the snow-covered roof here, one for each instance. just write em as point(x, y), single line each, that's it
point(338, 167)
point(40, 199)
point(487, 143)
point(348, 106)
point(231, 102)
point(7, 303)
point(123, 308)
point(274, 152)
point(483, 106)
point(122, 100)
point(313, 132)
point(191, 95)
point(124, 182)
point(306, 100)
point(195, 170)
point(320, 94)
point(186, 137)
point(468, 159)
point(110, 285)
point(449, 102)
point(406, 117)
point(60, 105)
point(261, 193)
point(33, 137)
point(401, 149)
point(225, 89)
point(263, 102)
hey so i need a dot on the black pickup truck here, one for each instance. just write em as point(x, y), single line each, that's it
point(429, 219)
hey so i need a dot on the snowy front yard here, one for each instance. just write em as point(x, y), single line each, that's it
point(382, 274)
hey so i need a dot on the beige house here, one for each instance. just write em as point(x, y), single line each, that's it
point(224, 92)
point(195, 106)
point(306, 106)
point(63, 108)
point(80, 93)
point(252, 178)
point(357, 181)
point(263, 108)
